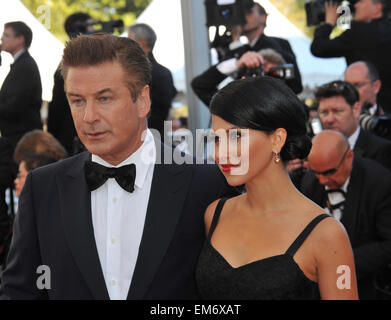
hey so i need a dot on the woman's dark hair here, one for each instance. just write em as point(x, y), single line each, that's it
point(265, 104)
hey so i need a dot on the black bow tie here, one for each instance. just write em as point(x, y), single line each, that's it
point(96, 175)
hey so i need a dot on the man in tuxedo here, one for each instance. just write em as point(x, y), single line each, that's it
point(116, 222)
point(357, 192)
point(339, 109)
point(21, 92)
point(206, 84)
point(163, 90)
point(369, 39)
point(20, 101)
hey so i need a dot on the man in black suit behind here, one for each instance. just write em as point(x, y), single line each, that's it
point(137, 236)
point(339, 109)
point(206, 84)
point(20, 101)
point(163, 90)
point(368, 39)
point(357, 192)
point(21, 92)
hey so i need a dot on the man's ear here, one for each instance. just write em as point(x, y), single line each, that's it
point(377, 86)
point(357, 109)
point(143, 102)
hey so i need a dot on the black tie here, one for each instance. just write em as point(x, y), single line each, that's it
point(96, 175)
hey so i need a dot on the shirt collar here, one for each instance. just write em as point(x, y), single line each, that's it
point(18, 54)
point(144, 158)
point(353, 138)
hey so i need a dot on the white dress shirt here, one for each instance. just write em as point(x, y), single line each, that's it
point(335, 198)
point(118, 219)
point(18, 54)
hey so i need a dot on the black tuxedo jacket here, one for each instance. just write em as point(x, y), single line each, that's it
point(163, 92)
point(21, 98)
point(366, 217)
point(206, 84)
point(60, 122)
point(373, 147)
point(53, 227)
point(363, 41)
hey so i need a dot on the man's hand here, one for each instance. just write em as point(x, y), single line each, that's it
point(296, 164)
point(331, 13)
point(250, 59)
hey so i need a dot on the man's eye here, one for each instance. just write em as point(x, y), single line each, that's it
point(77, 101)
point(104, 99)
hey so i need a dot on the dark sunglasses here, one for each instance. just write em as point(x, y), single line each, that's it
point(330, 172)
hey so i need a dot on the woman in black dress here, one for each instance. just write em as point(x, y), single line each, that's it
point(270, 242)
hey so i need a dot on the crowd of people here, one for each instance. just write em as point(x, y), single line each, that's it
point(277, 215)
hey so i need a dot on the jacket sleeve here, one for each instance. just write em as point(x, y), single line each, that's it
point(375, 255)
point(206, 84)
point(295, 84)
point(324, 47)
point(16, 88)
point(19, 280)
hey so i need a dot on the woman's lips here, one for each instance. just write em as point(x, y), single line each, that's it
point(228, 167)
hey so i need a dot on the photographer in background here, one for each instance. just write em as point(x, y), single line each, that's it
point(60, 122)
point(365, 77)
point(250, 64)
point(368, 39)
point(206, 84)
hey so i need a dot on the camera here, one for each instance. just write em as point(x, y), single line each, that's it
point(380, 125)
point(316, 12)
point(283, 72)
point(227, 12)
point(105, 26)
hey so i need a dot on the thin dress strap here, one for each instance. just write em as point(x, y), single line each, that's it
point(304, 234)
point(216, 217)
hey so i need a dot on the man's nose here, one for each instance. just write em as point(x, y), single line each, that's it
point(322, 179)
point(329, 118)
point(91, 113)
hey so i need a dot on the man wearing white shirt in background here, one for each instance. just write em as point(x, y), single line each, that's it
point(120, 221)
point(20, 104)
point(365, 77)
point(339, 109)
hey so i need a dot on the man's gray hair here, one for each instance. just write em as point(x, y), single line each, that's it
point(142, 30)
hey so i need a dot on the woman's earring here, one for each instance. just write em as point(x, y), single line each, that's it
point(276, 157)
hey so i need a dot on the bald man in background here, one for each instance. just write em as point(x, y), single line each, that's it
point(357, 192)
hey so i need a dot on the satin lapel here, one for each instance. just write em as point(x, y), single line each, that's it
point(351, 209)
point(168, 192)
point(75, 204)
